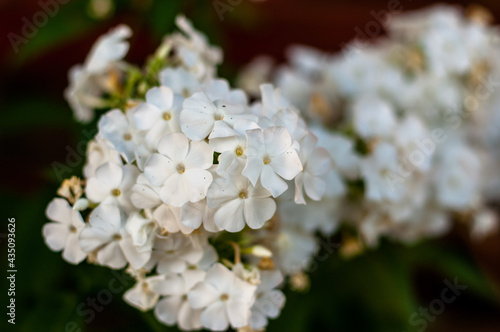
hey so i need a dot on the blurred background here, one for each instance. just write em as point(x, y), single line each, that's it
point(379, 290)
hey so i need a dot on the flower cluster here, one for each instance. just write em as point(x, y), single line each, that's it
point(410, 121)
point(195, 191)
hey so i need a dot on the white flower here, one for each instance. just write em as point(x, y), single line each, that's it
point(458, 177)
point(409, 134)
point(99, 152)
point(181, 81)
point(159, 115)
point(232, 158)
point(174, 253)
point(193, 50)
point(107, 234)
point(226, 299)
point(195, 214)
point(108, 48)
point(294, 248)
point(272, 158)
point(168, 218)
point(272, 101)
point(202, 116)
point(175, 307)
point(445, 50)
point(180, 168)
point(485, 222)
point(269, 300)
point(239, 203)
point(344, 160)
point(119, 129)
point(380, 172)
point(112, 184)
point(316, 163)
point(62, 234)
point(89, 81)
point(143, 232)
point(373, 118)
point(144, 195)
point(145, 293)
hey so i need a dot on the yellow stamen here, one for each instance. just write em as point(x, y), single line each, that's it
point(167, 116)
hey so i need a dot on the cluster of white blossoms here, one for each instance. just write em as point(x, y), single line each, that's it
point(410, 121)
point(197, 193)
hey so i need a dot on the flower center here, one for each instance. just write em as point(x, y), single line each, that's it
point(170, 252)
point(384, 172)
point(127, 137)
point(243, 195)
point(180, 168)
point(72, 229)
point(117, 237)
point(116, 192)
point(167, 116)
point(266, 160)
point(224, 297)
point(239, 151)
point(218, 117)
point(185, 93)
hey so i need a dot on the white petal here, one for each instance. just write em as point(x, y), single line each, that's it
point(112, 256)
point(175, 192)
point(175, 146)
point(272, 182)
point(110, 175)
point(197, 116)
point(168, 308)
point(162, 97)
point(189, 319)
point(96, 191)
point(56, 235)
point(135, 258)
point(72, 252)
point(192, 214)
point(214, 317)
point(221, 191)
point(92, 238)
point(314, 186)
point(287, 165)
point(258, 210)
point(230, 216)
point(200, 155)
point(197, 182)
point(130, 174)
point(145, 116)
point(220, 277)
point(277, 140)
point(158, 168)
point(238, 312)
point(221, 129)
point(59, 210)
point(202, 295)
point(253, 169)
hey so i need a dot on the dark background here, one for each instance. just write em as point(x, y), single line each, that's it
point(378, 291)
